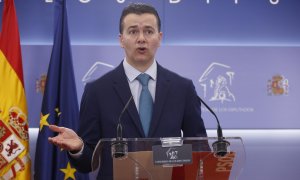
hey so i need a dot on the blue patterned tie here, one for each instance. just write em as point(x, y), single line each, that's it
point(145, 102)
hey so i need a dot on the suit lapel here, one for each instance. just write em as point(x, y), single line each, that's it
point(122, 88)
point(161, 94)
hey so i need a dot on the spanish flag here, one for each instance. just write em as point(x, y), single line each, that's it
point(14, 139)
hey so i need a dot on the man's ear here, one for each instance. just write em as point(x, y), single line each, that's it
point(160, 37)
point(121, 40)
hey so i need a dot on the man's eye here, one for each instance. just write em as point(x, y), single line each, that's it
point(149, 32)
point(132, 32)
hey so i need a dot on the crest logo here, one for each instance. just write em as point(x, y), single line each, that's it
point(216, 82)
point(172, 153)
point(40, 84)
point(10, 146)
point(18, 122)
point(278, 85)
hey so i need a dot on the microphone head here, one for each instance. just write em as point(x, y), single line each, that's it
point(220, 147)
point(119, 149)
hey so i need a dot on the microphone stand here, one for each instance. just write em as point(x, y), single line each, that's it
point(221, 145)
point(119, 147)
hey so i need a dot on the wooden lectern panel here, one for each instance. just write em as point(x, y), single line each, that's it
point(139, 166)
point(212, 168)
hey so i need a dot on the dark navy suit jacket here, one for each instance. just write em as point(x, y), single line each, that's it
point(176, 108)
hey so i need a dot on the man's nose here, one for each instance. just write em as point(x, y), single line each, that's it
point(141, 38)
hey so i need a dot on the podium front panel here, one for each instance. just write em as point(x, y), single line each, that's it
point(175, 159)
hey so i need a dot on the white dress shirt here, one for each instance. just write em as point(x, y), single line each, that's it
point(135, 85)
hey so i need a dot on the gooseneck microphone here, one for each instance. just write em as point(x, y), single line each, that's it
point(119, 147)
point(220, 146)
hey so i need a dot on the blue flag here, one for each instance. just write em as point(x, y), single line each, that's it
point(59, 106)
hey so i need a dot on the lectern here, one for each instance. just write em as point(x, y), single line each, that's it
point(194, 158)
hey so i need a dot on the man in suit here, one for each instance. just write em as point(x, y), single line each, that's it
point(174, 107)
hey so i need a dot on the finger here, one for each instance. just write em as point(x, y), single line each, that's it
point(54, 141)
point(62, 144)
point(56, 128)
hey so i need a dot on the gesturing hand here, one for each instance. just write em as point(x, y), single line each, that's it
point(66, 139)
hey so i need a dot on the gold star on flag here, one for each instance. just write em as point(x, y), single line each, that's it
point(69, 172)
point(57, 111)
point(43, 121)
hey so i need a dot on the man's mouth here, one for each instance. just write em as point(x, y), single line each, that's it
point(141, 49)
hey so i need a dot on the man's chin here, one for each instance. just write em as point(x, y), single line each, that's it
point(142, 60)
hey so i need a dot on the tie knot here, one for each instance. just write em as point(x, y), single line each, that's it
point(143, 79)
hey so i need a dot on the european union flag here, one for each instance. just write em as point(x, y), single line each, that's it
point(60, 105)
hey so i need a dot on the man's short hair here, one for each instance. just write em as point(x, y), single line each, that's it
point(139, 8)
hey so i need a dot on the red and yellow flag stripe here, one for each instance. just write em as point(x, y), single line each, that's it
point(14, 138)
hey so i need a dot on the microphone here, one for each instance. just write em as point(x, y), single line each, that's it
point(221, 145)
point(119, 147)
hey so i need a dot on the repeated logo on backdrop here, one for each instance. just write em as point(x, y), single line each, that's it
point(40, 84)
point(278, 85)
point(237, 88)
point(216, 82)
point(96, 71)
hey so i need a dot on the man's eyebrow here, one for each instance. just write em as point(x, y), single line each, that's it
point(132, 27)
point(149, 27)
point(136, 26)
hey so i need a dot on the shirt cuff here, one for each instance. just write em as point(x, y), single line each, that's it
point(77, 154)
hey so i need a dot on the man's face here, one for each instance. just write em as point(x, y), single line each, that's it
point(140, 39)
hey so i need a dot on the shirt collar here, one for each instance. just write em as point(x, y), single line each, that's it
point(132, 73)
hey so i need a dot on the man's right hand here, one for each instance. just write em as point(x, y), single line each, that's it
point(66, 139)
